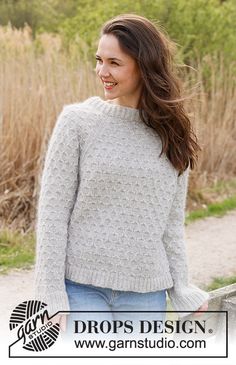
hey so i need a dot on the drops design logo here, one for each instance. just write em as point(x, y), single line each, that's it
point(34, 326)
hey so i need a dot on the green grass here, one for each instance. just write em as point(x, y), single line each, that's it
point(215, 209)
point(16, 250)
point(220, 282)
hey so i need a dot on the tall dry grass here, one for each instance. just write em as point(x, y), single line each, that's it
point(37, 78)
point(214, 118)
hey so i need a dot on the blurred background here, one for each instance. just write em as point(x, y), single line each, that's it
point(47, 60)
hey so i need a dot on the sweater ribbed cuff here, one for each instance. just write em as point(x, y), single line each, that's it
point(57, 301)
point(188, 298)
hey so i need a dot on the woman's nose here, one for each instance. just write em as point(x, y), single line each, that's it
point(103, 71)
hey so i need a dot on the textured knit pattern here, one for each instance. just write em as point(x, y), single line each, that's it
point(111, 210)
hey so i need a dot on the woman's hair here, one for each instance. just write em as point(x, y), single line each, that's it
point(161, 104)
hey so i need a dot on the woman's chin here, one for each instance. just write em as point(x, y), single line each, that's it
point(108, 96)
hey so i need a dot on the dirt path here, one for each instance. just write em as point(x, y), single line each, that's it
point(211, 249)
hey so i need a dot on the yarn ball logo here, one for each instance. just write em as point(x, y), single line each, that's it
point(34, 326)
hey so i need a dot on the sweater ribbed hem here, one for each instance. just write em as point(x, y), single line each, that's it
point(115, 110)
point(117, 281)
point(187, 299)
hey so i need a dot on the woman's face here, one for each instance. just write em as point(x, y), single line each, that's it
point(113, 65)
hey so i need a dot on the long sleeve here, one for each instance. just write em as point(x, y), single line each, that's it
point(56, 199)
point(183, 296)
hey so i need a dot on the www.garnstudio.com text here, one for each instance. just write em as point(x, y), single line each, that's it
point(146, 343)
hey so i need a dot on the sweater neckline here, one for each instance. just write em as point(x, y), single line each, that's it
point(115, 110)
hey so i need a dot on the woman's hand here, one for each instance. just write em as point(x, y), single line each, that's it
point(61, 320)
point(203, 307)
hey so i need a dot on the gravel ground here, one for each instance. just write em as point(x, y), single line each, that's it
point(211, 250)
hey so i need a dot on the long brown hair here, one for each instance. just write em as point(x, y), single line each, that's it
point(161, 103)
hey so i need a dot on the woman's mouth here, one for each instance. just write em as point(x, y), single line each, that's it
point(109, 85)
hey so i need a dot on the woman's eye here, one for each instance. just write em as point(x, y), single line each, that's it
point(113, 62)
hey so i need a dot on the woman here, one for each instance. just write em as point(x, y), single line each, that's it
point(110, 230)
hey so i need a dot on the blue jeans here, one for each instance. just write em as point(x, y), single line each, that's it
point(83, 297)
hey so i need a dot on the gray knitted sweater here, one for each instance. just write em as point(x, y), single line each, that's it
point(110, 210)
